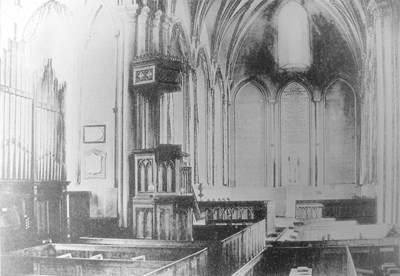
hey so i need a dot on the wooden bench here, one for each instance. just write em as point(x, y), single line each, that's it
point(92, 259)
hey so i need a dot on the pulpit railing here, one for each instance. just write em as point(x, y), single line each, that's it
point(233, 212)
point(161, 170)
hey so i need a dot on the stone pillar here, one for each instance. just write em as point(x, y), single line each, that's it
point(313, 136)
point(142, 38)
point(186, 109)
point(225, 142)
point(385, 27)
point(319, 140)
point(272, 143)
point(130, 15)
point(277, 154)
point(166, 26)
point(211, 133)
point(156, 31)
point(195, 162)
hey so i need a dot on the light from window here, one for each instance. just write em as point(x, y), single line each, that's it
point(293, 37)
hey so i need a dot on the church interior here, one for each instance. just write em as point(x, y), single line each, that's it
point(200, 137)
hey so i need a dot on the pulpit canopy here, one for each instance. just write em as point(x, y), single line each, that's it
point(154, 74)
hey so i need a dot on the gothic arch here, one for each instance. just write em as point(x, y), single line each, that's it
point(295, 120)
point(297, 78)
point(258, 83)
point(179, 36)
point(343, 78)
point(37, 14)
point(93, 18)
point(341, 132)
point(249, 134)
point(218, 78)
point(203, 60)
point(201, 98)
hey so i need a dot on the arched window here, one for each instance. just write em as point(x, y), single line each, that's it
point(340, 134)
point(293, 37)
point(250, 128)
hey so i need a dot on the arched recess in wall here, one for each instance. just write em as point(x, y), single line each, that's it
point(250, 136)
point(295, 135)
point(49, 32)
point(200, 114)
point(340, 134)
point(98, 94)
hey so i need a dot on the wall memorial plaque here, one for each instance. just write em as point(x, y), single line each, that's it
point(295, 135)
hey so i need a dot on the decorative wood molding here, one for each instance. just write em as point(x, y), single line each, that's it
point(154, 74)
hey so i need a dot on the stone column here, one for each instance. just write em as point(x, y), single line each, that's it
point(127, 143)
point(271, 143)
point(195, 162)
point(186, 109)
point(225, 120)
point(211, 134)
point(385, 27)
point(318, 157)
point(155, 45)
point(142, 38)
point(166, 26)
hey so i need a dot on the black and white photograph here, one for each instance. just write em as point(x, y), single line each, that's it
point(200, 137)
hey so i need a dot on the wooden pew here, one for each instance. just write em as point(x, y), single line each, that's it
point(76, 266)
point(91, 259)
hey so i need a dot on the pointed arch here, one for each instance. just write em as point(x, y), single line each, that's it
point(219, 130)
point(249, 135)
point(39, 13)
point(340, 133)
point(179, 42)
point(201, 97)
point(93, 19)
point(203, 60)
point(295, 122)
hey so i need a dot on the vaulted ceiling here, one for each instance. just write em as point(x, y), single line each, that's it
point(230, 23)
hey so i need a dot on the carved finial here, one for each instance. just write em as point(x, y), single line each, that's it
point(201, 191)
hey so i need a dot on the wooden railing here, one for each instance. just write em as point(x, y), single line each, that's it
point(195, 264)
point(124, 259)
point(350, 268)
point(241, 247)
